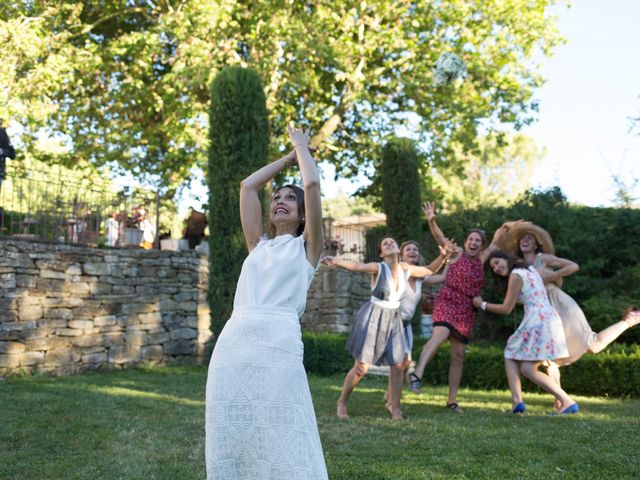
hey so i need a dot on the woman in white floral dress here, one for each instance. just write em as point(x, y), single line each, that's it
point(540, 336)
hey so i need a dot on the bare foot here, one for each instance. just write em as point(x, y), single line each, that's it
point(557, 405)
point(565, 404)
point(341, 410)
point(396, 415)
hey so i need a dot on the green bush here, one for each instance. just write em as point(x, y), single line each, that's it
point(614, 372)
point(325, 353)
point(239, 140)
point(400, 182)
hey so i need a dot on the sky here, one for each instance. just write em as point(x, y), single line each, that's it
point(592, 91)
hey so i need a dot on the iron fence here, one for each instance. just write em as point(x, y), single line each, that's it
point(347, 238)
point(52, 206)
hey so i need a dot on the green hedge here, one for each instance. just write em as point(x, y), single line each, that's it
point(601, 240)
point(614, 372)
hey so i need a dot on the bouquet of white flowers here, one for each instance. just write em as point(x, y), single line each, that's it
point(448, 68)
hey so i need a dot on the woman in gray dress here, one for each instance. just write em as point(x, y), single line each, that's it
point(410, 255)
point(377, 335)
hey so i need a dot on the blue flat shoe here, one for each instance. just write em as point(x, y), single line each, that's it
point(573, 408)
point(519, 408)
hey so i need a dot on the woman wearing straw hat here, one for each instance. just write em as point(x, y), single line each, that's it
point(534, 245)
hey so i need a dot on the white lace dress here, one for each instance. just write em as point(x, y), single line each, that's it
point(260, 421)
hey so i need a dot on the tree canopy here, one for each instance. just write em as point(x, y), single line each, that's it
point(126, 83)
point(496, 175)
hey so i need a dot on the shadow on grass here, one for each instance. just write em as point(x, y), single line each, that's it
point(127, 424)
point(149, 423)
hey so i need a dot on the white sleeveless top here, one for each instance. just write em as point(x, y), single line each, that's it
point(410, 300)
point(275, 273)
point(384, 292)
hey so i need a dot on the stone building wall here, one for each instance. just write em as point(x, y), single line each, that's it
point(67, 309)
point(334, 298)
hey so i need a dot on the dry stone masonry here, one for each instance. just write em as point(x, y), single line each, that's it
point(67, 309)
point(334, 299)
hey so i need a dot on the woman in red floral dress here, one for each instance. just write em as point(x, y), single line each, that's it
point(454, 313)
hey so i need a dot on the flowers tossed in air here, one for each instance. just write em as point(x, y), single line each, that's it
point(448, 68)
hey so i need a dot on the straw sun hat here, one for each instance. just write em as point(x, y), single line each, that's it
point(516, 230)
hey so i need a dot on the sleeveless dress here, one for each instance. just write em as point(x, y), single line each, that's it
point(453, 306)
point(577, 330)
point(540, 335)
point(377, 336)
point(407, 309)
point(260, 422)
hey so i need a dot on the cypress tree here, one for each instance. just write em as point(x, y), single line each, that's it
point(239, 139)
point(400, 185)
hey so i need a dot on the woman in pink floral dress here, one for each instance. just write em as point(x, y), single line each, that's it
point(540, 336)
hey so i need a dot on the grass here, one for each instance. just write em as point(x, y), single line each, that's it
point(148, 423)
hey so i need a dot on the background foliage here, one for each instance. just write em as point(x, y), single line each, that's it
point(615, 372)
point(125, 83)
point(600, 240)
point(398, 174)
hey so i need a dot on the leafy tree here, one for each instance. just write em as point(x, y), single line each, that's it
point(343, 206)
point(497, 174)
point(126, 83)
point(401, 198)
point(239, 139)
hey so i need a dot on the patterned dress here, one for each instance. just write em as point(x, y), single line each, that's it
point(453, 306)
point(577, 330)
point(260, 422)
point(377, 336)
point(540, 335)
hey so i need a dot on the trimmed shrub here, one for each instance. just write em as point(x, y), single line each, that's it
point(326, 353)
point(615, 372)
point(239, 136)
point(400, 182)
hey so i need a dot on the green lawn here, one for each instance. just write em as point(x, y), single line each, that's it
point(149, 424)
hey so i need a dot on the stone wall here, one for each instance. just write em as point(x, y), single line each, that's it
point(334, 299)
point(66, 309)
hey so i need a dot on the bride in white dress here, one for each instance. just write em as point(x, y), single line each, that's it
point(260, 421)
